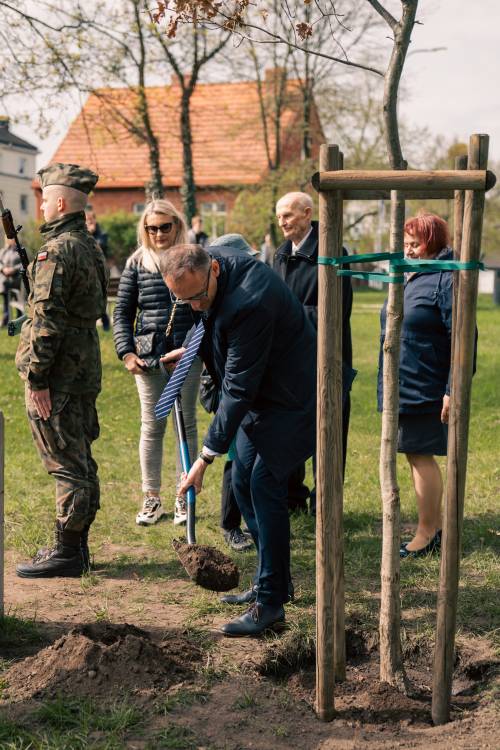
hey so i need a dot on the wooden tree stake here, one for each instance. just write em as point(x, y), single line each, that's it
point(458, 434)
point(329, 481)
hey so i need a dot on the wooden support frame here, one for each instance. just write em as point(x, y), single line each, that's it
point(334, 186)
point(427, 182)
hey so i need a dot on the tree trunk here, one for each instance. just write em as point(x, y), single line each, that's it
point(153, 189)
point(391, 658)
point(188, 189)
point(306, 121)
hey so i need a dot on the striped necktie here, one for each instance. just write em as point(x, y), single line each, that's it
point(174, 385)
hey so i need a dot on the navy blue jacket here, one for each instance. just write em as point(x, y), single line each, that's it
point(143, 307)
point(260, 350)
point(300, 274)
point(425, 356)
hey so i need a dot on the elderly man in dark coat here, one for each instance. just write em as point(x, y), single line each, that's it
point(296, 262)
point(260, 350)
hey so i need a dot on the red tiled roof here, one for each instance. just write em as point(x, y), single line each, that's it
point(228, 145)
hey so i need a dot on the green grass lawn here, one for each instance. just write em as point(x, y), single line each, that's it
point(29, 492)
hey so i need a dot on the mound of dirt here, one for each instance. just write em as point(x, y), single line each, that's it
point(207, 567)
point(102, 659)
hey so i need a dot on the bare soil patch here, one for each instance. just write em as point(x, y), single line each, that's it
point(257, 694)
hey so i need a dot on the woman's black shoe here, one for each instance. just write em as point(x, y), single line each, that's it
point(429, 549)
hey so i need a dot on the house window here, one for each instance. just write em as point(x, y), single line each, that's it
point(138, 208)
point(23, 203)
point(22, 165)
point(214, 219)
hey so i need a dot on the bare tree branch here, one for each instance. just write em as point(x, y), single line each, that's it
point(388, 17)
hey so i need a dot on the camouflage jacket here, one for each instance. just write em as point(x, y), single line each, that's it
point(59, 345)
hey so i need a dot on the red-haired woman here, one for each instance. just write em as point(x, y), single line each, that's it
point(424, 371)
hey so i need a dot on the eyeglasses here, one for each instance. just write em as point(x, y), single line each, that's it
point(163, 228)
point(195, 297)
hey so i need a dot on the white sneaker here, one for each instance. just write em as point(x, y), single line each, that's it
point(151, 512)
point(180, 512)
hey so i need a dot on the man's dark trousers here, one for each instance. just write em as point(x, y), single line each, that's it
point(298, 492)
point(230, 516)
point(262, 500)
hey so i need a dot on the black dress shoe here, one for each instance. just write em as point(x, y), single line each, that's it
point(246, 597)
point(434, 546)
point(257, 619)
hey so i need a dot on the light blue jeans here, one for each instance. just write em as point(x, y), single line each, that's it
point(150, 387)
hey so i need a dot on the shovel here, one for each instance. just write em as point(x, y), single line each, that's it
point(206, 566)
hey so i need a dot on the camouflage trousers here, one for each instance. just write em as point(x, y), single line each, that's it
point(64, 444)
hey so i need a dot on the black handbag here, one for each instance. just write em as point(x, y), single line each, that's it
point(148, 349)
point(209, 394)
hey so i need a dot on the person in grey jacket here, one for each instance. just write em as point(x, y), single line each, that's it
point(141, 318)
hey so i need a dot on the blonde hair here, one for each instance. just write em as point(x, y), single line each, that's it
point(146, 255)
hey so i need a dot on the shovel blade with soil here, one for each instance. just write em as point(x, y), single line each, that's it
point(207, 566)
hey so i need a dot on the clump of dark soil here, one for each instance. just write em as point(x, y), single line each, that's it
point(207, 566)
point(102, 659)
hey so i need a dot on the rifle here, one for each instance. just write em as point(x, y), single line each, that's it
point(12, 233)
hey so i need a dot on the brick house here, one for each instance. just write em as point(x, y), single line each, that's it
point(228, 145)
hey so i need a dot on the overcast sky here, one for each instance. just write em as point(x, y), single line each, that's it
point(455, 92)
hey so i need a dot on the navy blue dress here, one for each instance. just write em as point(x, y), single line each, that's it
point(425, 358)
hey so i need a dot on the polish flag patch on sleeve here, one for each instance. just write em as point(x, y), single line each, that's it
point(43, 255)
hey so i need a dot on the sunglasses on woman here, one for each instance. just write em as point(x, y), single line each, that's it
point(163, 228)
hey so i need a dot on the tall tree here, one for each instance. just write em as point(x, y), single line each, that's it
point(186, 55)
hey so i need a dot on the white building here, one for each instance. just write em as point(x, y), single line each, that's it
point(17, 170)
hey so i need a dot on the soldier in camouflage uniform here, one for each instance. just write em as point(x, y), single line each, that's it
point(59, 359)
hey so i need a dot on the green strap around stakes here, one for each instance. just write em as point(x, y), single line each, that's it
point(438, 265)
point(366, 258)
point(397, 262)
point(385, 278)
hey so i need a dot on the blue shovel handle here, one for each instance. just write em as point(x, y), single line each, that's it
point(186, 465)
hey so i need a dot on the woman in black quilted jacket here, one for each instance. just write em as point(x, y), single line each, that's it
point(140, 322)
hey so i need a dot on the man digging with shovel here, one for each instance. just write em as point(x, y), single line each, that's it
point(260, 351)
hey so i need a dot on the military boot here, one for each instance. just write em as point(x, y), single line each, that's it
point(63, 559)
point(84, 547)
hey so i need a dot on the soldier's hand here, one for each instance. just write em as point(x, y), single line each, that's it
point(41, 402)
point(134, 364)
point(170, 360)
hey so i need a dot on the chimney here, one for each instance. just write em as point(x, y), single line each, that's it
point(4, 122)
